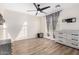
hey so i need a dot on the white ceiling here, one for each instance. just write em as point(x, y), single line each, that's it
point(23, 7)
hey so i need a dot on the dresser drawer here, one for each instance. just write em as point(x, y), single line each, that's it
point(60, 41)
point(75, 45)
point(72, 43)
point(75, 39)
point(61, 35)
point(75, 34)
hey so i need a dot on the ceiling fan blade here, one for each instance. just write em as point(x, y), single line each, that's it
point(43, 12)
point(35, 5)
point(45, 8)
point(36, 12)
point(31, 10)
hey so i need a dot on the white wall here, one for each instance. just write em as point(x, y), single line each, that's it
point(43, 26)
point(16, 18)
point(69, 13)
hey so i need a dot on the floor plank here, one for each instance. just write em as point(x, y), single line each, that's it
point(41, 46)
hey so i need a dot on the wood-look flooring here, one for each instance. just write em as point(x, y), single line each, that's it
point(41, 46)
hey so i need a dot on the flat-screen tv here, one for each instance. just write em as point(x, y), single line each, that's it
point(69, 20)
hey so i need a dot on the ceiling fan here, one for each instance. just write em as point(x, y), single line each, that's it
point(38, 9)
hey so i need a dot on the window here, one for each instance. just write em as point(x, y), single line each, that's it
point(5, 32)
point(23, 33)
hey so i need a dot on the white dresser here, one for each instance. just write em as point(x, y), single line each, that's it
point(68, 37)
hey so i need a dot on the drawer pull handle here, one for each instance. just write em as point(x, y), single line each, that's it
point(75, 39)
point(75, 34)
point(75, 44)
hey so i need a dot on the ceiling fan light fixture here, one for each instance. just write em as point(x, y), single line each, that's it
point(57, 6)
